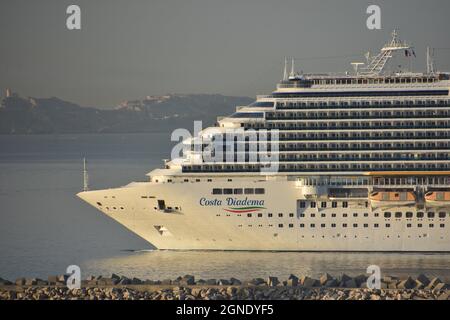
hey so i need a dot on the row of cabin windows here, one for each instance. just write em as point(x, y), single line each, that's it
point(238, 191)
point(386, 215)
point(365, 225)
point(418, 214)
point(270, 215)
point(358, 103)
point(323, 204)
point(345, 225)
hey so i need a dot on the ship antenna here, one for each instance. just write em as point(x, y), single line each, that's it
point(430, 62)
point(292, 67)
point(85, 176)
point(285, 76)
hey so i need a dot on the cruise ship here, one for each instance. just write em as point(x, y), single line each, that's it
point(357, 161)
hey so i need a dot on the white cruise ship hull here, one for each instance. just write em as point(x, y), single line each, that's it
point(283, 224)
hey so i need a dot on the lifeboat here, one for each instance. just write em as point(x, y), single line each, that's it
point(437, 198)
point(392, 198)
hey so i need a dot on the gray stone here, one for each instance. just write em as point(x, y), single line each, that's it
point(331, 283)
point(256, 282)
point(292, 281)
point(423, 279)
point(360, 279)
point(443, 296)
point(30, 281)
point(235, 282)
point(52, 280)
point(272, 281)
point(188, 280)
point(409, 283)
point(308, 282)
point(124, 281)
point(351, 284)
point(325, 278)
point(223, 282)
point(211, 282)
point(344, 278)
point(115, 276)
point(440, 286)
point(433, 283)
point(136, 281)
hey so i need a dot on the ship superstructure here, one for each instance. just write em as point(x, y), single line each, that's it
point(351, 162)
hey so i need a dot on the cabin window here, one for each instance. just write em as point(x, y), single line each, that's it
point(419, 214)
point(409, 214)
point(259, 191)
point(237, 191)
point(248, 191)
point(441, 214)
point(217, 191)
point(387, 214)
point(161, 205)
point(430, 214)
point(227, 191)
point(398, 214)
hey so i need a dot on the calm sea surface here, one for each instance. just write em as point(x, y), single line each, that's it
point(44, 227)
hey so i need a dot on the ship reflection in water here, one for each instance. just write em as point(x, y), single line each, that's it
point(158, 265)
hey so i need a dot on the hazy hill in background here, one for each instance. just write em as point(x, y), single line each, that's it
point(155, 113)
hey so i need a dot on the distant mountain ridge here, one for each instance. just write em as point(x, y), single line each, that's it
point(154, 113)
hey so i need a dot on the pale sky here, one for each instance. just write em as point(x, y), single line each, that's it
point(130, 49)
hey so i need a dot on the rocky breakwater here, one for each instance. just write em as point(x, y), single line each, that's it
point(326, 287)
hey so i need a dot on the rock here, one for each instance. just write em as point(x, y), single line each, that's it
point(331, 283)
point(440, 286)
point(223, 282)
point(325, 278)
point(292, 281)
point(4, 282)
point(419, 285)
point(136, 281)
point(423, 279)
point(211, 282)
point(351, 284)
point(308, 282)
point(166, 282)
point(433, 283)
point(106, 282)
point(20, 281)
point(63, 278)
point(360, 279)
point(31, 282)
point(235, 282)
point(256, 282)
point(231, 291)
point(201, 282)
point(393, 285)
point(409, 283)
point(272, 281)
point(187, 280)
point(443, 296)
point(344, 278)
point(124, 281)
point(115, 276)
point(53, 280)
